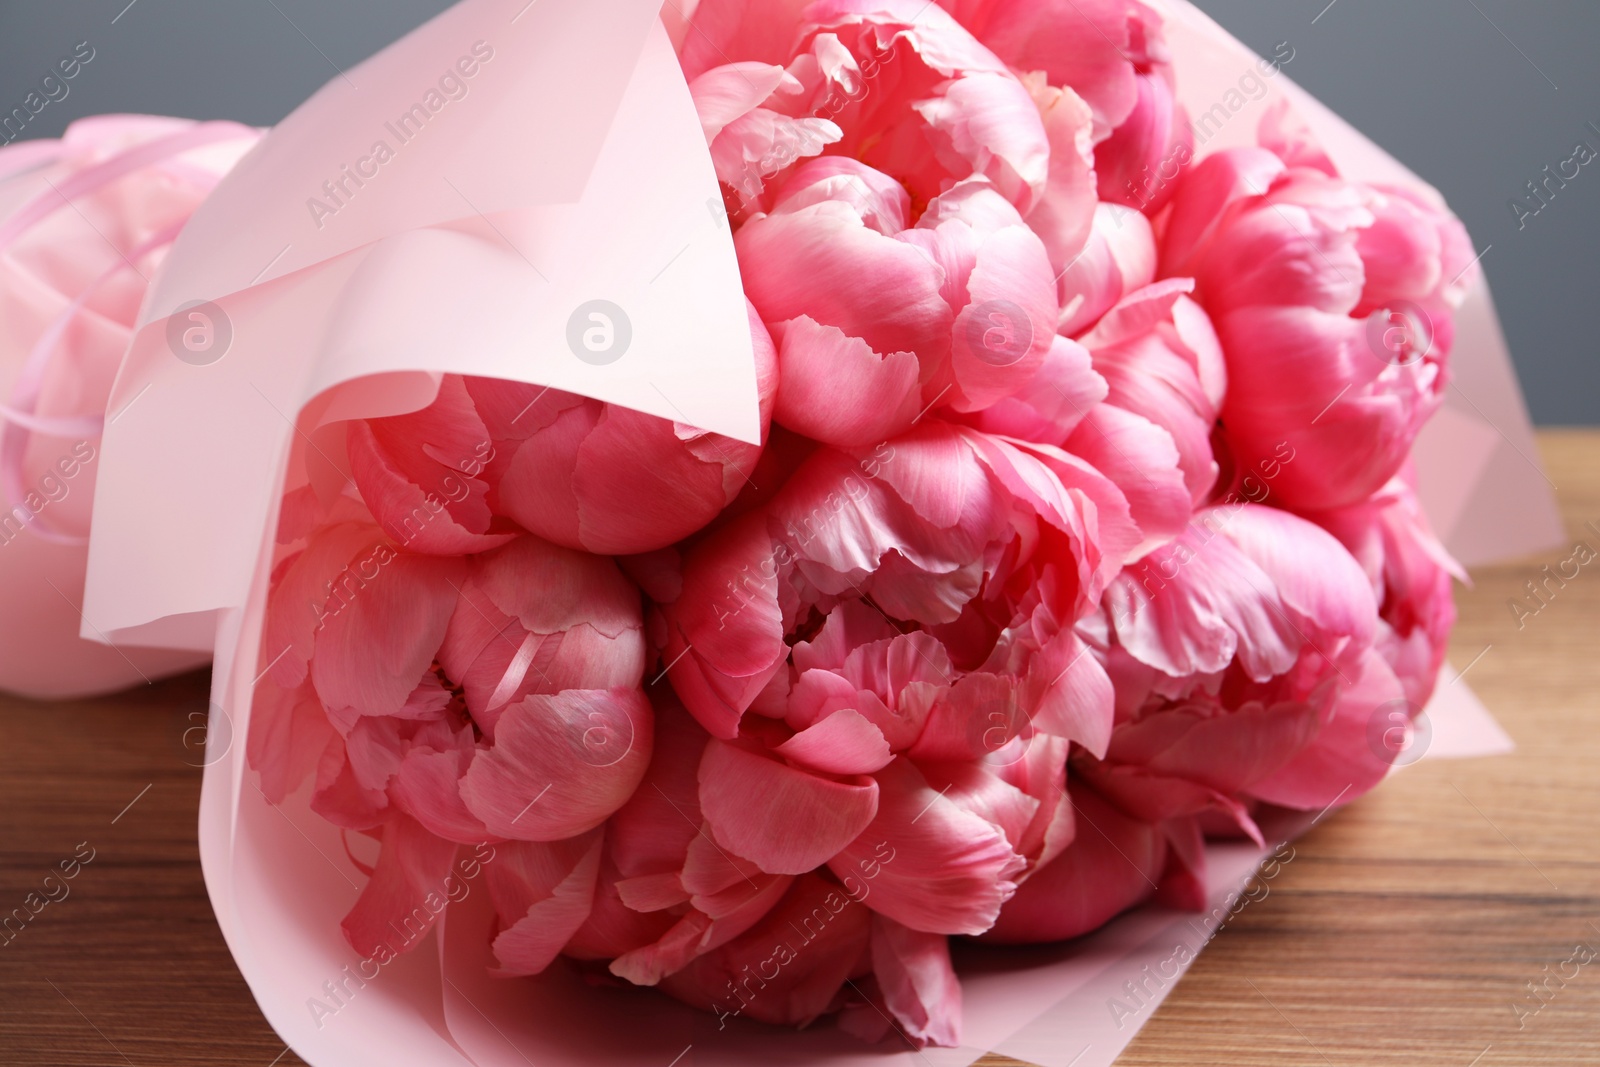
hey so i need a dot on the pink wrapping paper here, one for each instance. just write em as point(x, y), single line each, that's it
point(359, 316)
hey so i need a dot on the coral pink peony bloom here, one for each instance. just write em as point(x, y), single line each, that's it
point(1334, 305)
point(448, 699)
point(877, 322)
point(1245, 670)
point(935, 106)
point(892, 83)
point(918, 527)
point(424, 475)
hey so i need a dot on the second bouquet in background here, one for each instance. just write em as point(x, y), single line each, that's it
point(1077, 534)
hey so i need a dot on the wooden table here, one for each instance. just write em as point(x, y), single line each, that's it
point(1405, 930)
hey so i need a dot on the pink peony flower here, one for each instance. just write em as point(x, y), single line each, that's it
point(884, 680)
point(941, 108)
point(487, 456)
point(1245, 667)
point(891, 83)
point(425, 476)
point(877, 322)
point(1333, 302)
point(446, 700)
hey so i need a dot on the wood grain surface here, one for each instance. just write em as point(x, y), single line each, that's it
point(1407, 929)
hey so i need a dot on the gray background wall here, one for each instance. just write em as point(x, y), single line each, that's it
point(1477, 96)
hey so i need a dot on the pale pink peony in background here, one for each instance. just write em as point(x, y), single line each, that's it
point(85, 222)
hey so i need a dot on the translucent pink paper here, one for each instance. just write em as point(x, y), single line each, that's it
point(409, 280)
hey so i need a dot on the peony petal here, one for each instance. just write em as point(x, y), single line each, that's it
point(698, 933)
point(560, 763)
point(406, 894)
point(943, 869)
point(725, 634)
point(427, 786)
point(1349, 756)
point(1066, 215)
point(919, 985)
point(786, 969)
point(288, 734)
point(1110, 867)
point(835, 389)
point(421, 520)
point(844, 743)
point(380, 635)
point(305, 588)
point(1190, 607)
point(544, 893)
point(726, 92)
point(1141, 458)
point(783, 819)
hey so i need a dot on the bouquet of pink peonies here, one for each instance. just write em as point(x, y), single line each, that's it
point(1008, 492)
point(1070, 526)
